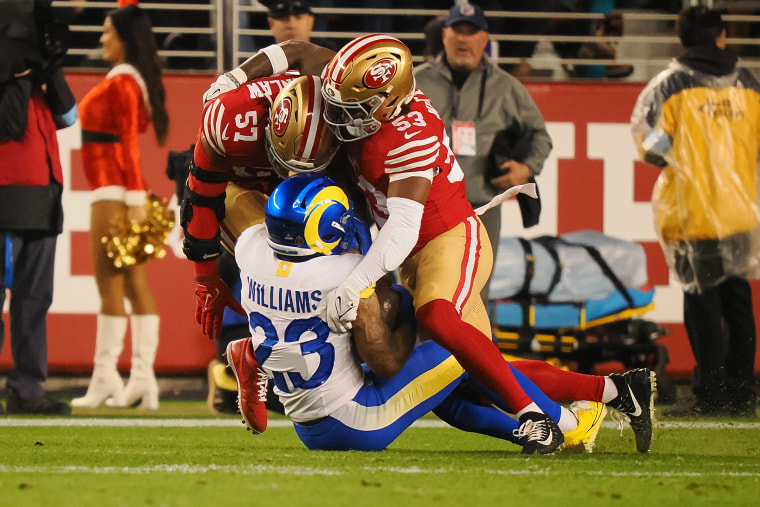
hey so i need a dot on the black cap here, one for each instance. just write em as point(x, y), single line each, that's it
point(470, 13)
point(287, 8)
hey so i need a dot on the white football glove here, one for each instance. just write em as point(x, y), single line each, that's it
point(224, 83)
point(341, 306)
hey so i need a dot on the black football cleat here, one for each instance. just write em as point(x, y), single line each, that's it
point(635, 399)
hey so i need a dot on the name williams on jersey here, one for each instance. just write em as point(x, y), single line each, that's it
point(283, 299)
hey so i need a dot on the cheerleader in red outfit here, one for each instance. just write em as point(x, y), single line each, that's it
point(112, 115)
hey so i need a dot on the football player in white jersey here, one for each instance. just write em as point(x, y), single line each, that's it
point(287, 265)
point(631, 392)
point(415, 188)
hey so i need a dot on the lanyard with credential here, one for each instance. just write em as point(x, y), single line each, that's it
point(481, 96)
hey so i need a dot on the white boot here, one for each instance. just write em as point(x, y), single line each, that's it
point(142, 383)
point(105, 381)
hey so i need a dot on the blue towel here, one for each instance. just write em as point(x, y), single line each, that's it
point(8, 264)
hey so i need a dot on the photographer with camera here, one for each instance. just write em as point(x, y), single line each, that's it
point(35, 101)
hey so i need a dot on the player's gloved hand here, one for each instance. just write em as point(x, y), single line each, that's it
point(211, 297)
point(223, 83)
point(341, 306)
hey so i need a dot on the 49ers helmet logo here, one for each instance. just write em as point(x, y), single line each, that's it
point(281, 116)
point(380, 73)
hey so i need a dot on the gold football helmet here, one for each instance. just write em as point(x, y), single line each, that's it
point(297, 138)
point(365, 84)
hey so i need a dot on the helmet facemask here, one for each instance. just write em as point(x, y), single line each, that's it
point(351, 121)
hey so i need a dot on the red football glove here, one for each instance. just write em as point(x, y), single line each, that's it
point(211, 297)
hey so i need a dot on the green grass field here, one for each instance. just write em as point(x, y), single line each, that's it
point(180, 456)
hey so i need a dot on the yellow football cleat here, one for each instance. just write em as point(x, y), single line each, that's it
point(590, 415)
point(223, 379)
point(218, 381)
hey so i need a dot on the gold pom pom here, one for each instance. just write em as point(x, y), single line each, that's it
point(129, 243)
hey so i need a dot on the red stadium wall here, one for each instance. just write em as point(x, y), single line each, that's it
point(591, 181)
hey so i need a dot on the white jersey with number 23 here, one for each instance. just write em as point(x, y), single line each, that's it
point(314, 370)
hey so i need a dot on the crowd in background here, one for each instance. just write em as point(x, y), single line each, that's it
point(256, 14)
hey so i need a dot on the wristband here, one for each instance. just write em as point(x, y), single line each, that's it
point(238, 75)
point(277, 59)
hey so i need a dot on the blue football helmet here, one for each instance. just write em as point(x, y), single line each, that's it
point(309, 214)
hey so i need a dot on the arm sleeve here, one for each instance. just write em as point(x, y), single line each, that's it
point(201, 213)
point(393, 244)
point(205, 196)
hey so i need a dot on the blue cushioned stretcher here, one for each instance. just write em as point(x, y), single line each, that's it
point(510, 313)
point(577, 297)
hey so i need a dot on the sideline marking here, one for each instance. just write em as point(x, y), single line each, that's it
point(36, 422)
point(184, 468)
point(127, 422)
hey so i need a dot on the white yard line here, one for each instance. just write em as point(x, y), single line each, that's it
point(283, 423)
point(184, 468)
point(729, 470)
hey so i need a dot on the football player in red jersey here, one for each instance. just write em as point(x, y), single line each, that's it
point(403, 164)
point(400, 151)
point(427, 228)
point(232, 175)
